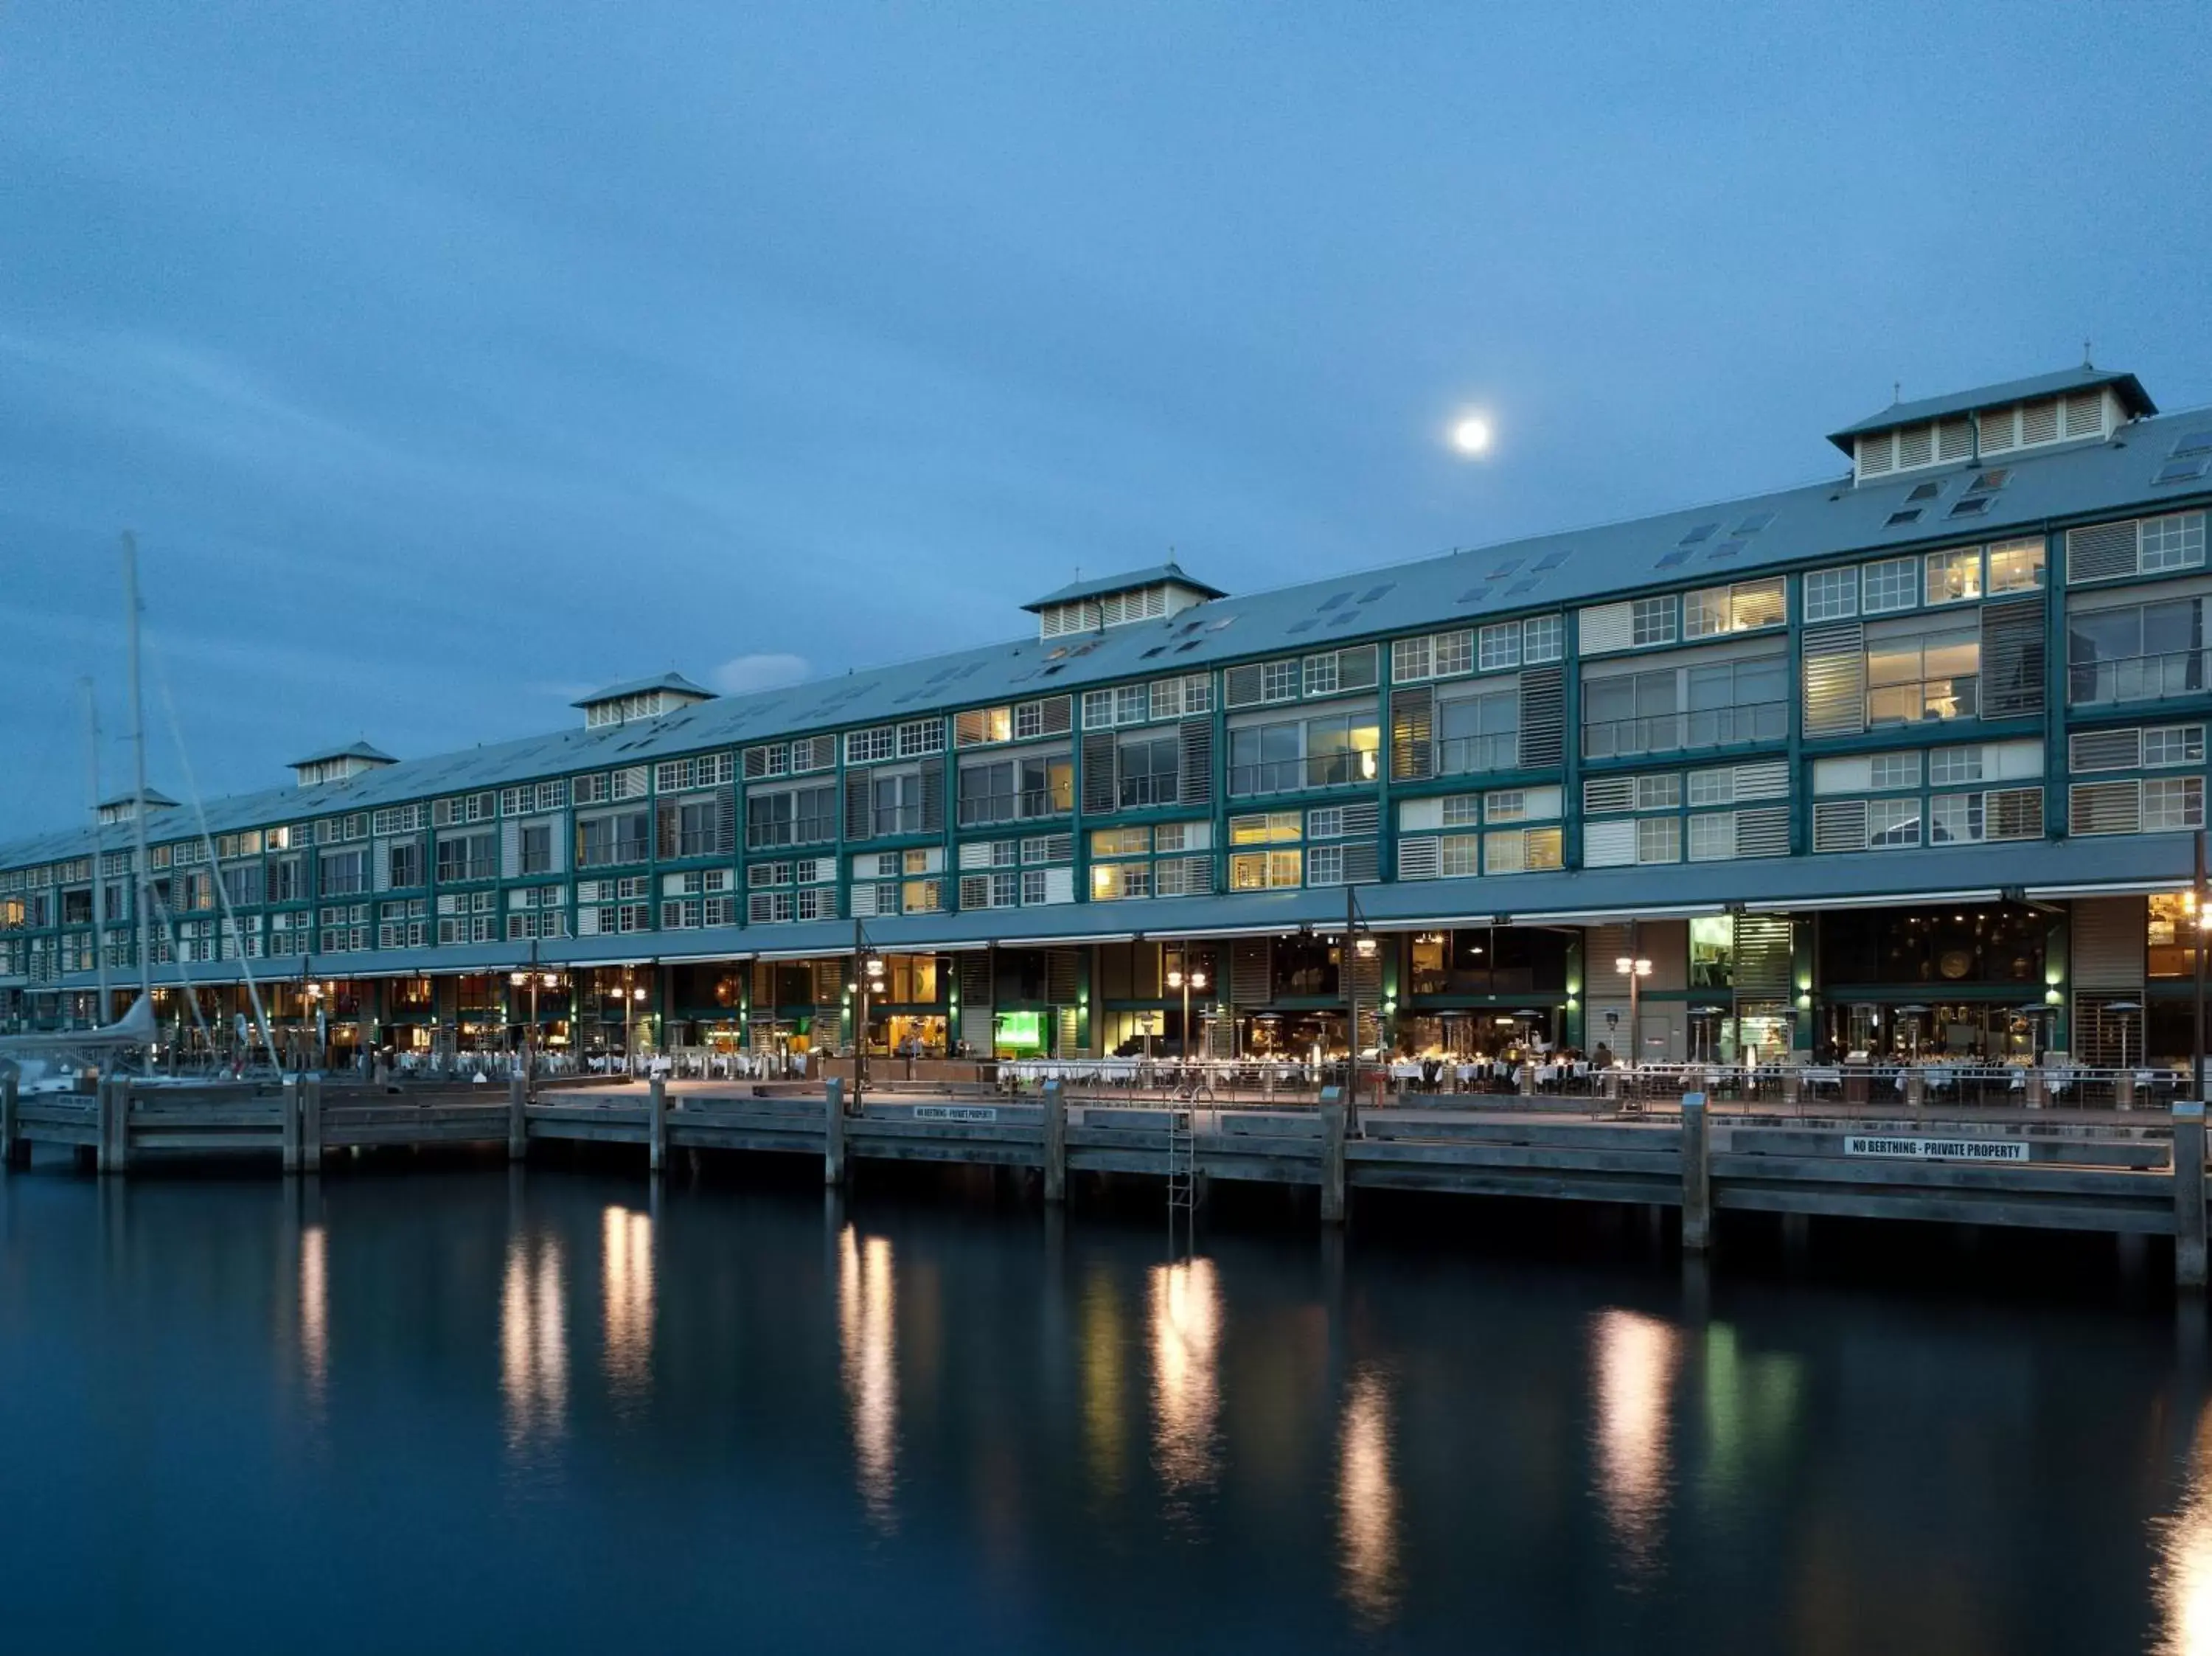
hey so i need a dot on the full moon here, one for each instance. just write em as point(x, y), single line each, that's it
point(1471, 435)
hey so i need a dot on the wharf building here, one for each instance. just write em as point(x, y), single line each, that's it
point(1912, 759)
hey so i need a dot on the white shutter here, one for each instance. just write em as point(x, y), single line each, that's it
point(1764, 781)
point(2105, 808)
point(1763, 833)
point(1604, 628)
point(1839, 825)
point(1608, 793)
point(1417, 859)
point(1416, 815)
point(379, 853)
point(2104, 751)
point(864, 900)
point(1060, 885)
point(975, 854)
point(1609, 845)
point(510, 849)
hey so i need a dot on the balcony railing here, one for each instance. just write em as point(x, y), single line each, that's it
point(1159, 790)
point(2139, 678)
point(1031, 803)
point(1919, 702)
point(1715, 727)
point(1463, 756)
point(1321, 770)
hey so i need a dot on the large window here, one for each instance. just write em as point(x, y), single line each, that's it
point(624, 836)
point(2136, 652)
point(1150, 771)
point(1924, 676)
point(1477, 733)
point(1016, 790)
point(791, 816)
point(536, 848)
point(1670, 709)
point(1932, 947)
point(1332, 750)
point(897, 804)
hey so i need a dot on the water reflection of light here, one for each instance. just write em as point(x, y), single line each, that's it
point(866, 1300)
point(1367, 1500)
point(2185, 1560)
point(626, 1273)
point(1186, 1319)
point(1104, 1425)
point(533, 1342)
point(1635, 1358)
point(314, 1312)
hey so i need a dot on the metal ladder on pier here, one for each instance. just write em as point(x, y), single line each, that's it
point(1183, 1175)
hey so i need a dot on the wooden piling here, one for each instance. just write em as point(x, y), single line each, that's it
point(1697, 1176)
point(656, 1124)
point(310, 1125)
point(2189, 1193)
point(833, 1132)
point(114, 1125)
point(517, 1118)
point(290, 1123)
point(15, 1152)
point(1332, 1156)
point(1055, 1142)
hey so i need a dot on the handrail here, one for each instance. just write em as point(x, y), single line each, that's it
point(1676, 732)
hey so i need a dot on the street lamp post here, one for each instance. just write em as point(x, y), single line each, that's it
point(2197, 918)
point(1357, 946)
point(866, 981)
point(1635, 968)
point(1186, 977)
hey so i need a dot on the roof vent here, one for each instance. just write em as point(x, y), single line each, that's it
point(640, 698)
point(1088, 606)
point(337, 764)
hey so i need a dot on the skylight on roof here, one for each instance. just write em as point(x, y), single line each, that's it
point(1996, 477)
point(1898, 520)
point(2196, 442)
point(1925, 491)
point(1335, 599)
point(1673, 560)
point(1972, 507)
point(1725, 549)
point(1553, 560)
point(1753, 523)
point(1506, 568)
point(1305, 625)
point(1375, 592)
point(1702, 532)
point(2181, 471)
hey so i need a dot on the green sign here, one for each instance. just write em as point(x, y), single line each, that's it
point(1020, 1032)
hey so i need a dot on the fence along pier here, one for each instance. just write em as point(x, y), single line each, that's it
point(2139, 1172)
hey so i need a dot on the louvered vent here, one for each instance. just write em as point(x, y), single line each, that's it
point(1060, 971)
point(2108, 935)
point(1413, 728)
point(2012, 656)
point(1607, 793)
point(1245, 685)
point(1196, 783)
point(1608, 844)
point(2012, 814)
point(975, 970)
point(1835, 680)
point(1762, 955)
point(1249, 984)
point(1839, 825)
point(1769, 780)
point(2085, 413)
point(1056, 714)
point(1605, 627)
point(2105, 808)
point(1543, 717)
point(1763, 833)
point(2104, 751)
point(1417, 857)
point(858, 805)
point(2100, 552)
point(1099, 773)
point(933, 798)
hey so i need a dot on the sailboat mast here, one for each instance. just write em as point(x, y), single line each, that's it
point(99, 874)
point(145, 890)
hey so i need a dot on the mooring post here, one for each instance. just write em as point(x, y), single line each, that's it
point(833, 1131)
point(1793, 1084)
point(310, 1125)
point(1915, 1090)
point(2034, 1089)
point(1055, 1142)
point(518, 1118)
point(289, 1108)
point(1696, 1177)
point(2189, 1193)
point(1332, 1156)
point(656, 1124)
point(114, 1125)
point(14, 1152)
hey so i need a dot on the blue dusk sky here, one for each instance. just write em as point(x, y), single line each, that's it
point(450, 360)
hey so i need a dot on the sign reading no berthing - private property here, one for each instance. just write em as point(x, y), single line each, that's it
point(1939, 1150)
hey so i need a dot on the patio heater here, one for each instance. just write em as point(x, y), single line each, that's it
point(2126, 1009)
point(1915, 1013)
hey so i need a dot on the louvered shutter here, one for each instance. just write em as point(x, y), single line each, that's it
point(1098, 794)
point(1060, 885)
point(2012, 814)
point(859, 804)
point(1605, 627)
point(726, 822)
point(1361, 863)
point(1767, 781)
point(1762, 954)
point(1835, 680)
point(2105, 808)
point(1839, 825)
point(1763, 833)
point(667, 821)
point(381, 873)
point(510, 850)
point(2104, 751)
point(1249, 977)
point(1057, 714)
point(1417, 857)
point(1412, 731)
point(1543, 717)
point(2012, 656)
point(1608, 793)
point(1245, 685)
point(933, 798)
point(2109, 935)
point(975, 891)
point(1196, 782)
point(1609, 845)
point(2100, 552)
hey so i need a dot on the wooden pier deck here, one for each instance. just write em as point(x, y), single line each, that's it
point(2142, 1175)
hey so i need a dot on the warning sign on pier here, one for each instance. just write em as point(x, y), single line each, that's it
point(1939, 1150)
point(955, 1113)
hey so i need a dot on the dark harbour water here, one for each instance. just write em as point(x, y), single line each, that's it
point(463, 1409)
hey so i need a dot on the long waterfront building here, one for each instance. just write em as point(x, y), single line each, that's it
point(1910, 759)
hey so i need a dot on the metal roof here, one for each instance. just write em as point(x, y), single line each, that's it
point(1693, 546)
point(153, 799)
point(675, 681)
point(351, 750)
point(2133, 397)
point(1158, 572)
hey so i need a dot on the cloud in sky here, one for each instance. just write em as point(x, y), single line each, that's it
point(757, 672)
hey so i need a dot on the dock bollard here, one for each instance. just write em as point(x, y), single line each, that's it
point(2037, 1091)
point(311, 1125)
point(115, 1154)
point(14, 1151)
point(1055, 1142)
point(518, 1118)
point(1915, 1090)
point(1697, 1176)
point(1793, 1089)
point(833, 1131)
point(1332, 1155)
point(2124, 1091)
point(656, 1124)
point(2189, 1193)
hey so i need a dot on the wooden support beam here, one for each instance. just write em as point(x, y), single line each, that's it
point(310, 1125)
point(1332, 1156)
point(656, 1124)
point(518, 1118)
point(2189, 1193)
point(1697, 1176)
point(1055, 1142)
point(833, 1132)
point(14, 1151)
point(292, 1117)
